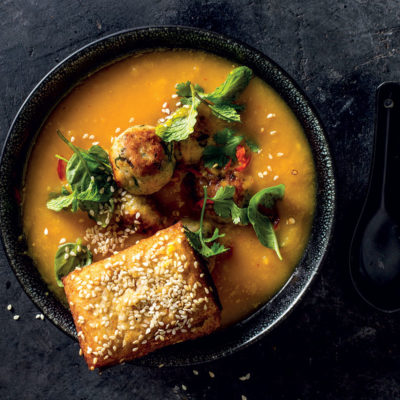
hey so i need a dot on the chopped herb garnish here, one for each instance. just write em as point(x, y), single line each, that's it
point(89, 175)
point(70, 256)
point(199, 243)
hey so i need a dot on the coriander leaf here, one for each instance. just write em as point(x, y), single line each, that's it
point(261, 223)
point(225, 207)
point(198, 242)
point(181, 125)
point(70, 256)
point(225, 149)
point(235, 83)
point(253, 146)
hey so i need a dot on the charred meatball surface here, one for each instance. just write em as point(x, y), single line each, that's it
point(142, 163)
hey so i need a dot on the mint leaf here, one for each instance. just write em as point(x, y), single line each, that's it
point(181, 125)
point(261, 223)
point(235, 83)
point(225, 112)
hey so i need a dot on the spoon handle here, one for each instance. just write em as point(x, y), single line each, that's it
point(386, 160)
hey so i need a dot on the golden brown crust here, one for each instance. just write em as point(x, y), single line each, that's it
point(151, 295)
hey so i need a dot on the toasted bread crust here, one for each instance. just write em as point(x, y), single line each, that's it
point(151, 295)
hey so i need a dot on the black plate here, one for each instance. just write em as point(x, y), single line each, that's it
point(58, 82)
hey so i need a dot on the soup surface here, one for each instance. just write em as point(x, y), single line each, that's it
point(134, 91)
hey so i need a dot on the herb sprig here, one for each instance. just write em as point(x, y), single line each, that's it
point(89, 175)
point(199, 242)
point(225, 207)
point(221, 103)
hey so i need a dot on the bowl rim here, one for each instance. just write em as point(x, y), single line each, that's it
point(157, 357)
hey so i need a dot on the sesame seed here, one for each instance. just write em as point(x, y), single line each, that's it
point(62, 240)
point(72, 139)
point(276, 177)
point(272, 132)
point(160, 365)
point(245, 377)
point(174, 96)
point(46, 231)
point(265, 173)
point(279, 154)
point(85, 136)
point(243, 397)
point(184, 387)
point(270, 156)
point(131, 119)
point(66, 256)
point(262, 130)
point(269, 168)
point(91, 137)
point(16, 317)
point(195, 372)
point(95, 143)
point(178, 104)
point(212, 375)
point(118, 130)
point(291, 221)
point(164, 105)
point(271, 115)
point(9, 307)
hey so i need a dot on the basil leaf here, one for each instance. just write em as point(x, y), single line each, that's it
point(261, 223)
point(181, 125)
point(70, 256)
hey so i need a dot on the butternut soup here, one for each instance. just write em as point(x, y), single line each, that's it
point(266, 149)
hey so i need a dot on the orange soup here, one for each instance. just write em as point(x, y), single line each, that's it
point(141, 90)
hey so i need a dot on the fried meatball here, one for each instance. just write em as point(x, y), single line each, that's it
point(142, 163)
point(139, 212)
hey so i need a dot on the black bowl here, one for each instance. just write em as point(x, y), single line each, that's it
point(58, 82)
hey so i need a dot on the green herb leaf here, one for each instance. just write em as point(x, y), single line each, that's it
point(226, 148)
point(181, 125)
point(253, 146)
point(199, 243)
point(261, 223)
point(90, 177)
point(225, 207)
point(235, 83)
point(226, 112)
point(70, 256)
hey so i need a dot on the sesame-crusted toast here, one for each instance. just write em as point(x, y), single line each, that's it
point(148, 296)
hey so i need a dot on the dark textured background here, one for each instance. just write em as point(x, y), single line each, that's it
point(333, 346)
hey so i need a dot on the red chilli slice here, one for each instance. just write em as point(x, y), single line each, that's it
point(243, 159)
point(201, 202)
point(61, 169)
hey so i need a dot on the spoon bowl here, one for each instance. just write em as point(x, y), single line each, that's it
point(375, 249)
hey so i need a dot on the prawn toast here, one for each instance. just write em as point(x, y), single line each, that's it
point(150, 295)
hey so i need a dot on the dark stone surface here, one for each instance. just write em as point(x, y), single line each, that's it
point(332, 346)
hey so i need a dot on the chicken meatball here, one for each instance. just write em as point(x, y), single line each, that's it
point(142, 163)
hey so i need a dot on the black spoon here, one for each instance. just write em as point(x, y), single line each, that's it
point(375, 248)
